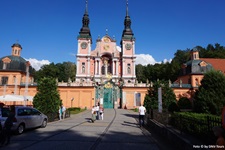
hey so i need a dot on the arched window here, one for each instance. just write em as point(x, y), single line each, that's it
point(83, 67)
point(128, 69)
point(4, 66)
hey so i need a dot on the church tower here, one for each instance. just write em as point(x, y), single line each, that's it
point(84, 49)
point(128, 51)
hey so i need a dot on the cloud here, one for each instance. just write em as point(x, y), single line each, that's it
point(72, 54)
point(118, 48)
point(36, 64)
point(145, 59)
point(166, 60)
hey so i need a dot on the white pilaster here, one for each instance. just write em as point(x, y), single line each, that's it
point(113, 70)
point(89, 66)
point(89, 48)
point(96, 67)
point(117, 65)
point(133, 48)
point(99, 67)
point(106, 69)
point(78, 67)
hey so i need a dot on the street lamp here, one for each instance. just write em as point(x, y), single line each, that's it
point(72, 102)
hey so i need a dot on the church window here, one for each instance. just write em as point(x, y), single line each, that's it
point(83, 67)
point(128, 69)
point(14, 79)
point(4, 66)
point(4, 80)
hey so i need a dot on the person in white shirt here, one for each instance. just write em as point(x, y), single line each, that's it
point(97, 111)
point(63, 112)
point(93, 112)
point(142, 111)
point(101, 111)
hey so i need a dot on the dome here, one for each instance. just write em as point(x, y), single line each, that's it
point(16, 45)
point(196, 67)
point(13, 63)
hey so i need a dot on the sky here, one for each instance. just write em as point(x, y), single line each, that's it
point(48, 29)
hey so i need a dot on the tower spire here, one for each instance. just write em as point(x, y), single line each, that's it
point(127, 32)
point(127, 9)
point(85, 30)
point(86, 9)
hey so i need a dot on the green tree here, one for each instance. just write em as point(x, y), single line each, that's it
point(211, 95)
point(61, 71)
point(70, 70)
point(184, 103)
point(50, 70)
point(141, 77)
point(47, 98)
point(151, 98)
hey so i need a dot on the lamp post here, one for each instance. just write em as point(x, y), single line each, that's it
point(72, 102)
point(26, 83)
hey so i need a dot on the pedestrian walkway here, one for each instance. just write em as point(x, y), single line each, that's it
point(118, 131)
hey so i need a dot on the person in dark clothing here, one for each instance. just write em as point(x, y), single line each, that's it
point(7, 126)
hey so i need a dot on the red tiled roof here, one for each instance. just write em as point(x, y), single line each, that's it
point(218, 64)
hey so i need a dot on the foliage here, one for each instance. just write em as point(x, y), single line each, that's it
point(173, 107)
point(184, 103)
point(47, 98)
point(211, 95)
point(151, 98)
point(61, 71)
point(74, 109)
point(199, 125)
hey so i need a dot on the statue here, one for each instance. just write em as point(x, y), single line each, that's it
point(180, 83)
point(170, 83)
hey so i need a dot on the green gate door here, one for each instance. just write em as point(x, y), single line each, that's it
point(108, 98)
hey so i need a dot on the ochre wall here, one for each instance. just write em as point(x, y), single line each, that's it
point(130, 96)
point(85, 96)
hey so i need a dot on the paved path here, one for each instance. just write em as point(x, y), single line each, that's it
point(118, 131)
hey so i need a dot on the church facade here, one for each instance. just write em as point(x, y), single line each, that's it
point(107, 67)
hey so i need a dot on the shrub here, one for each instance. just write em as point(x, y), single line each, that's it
point(184, 103)
point(173, 107)
point(196, 124)
point(74, 109)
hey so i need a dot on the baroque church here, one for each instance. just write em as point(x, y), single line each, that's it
point(106, 60)
point(106, 67)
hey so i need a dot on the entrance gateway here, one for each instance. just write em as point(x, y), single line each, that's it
point(108, 94)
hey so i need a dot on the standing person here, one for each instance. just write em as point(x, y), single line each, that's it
point(101, 111)
point(63, 112)
point(219, 133)
point(97, 112)
point(142, 111)
point(60, 113)
point(93, 112)
point(7, 126)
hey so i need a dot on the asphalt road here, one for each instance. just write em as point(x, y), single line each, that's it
point(118, 131)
